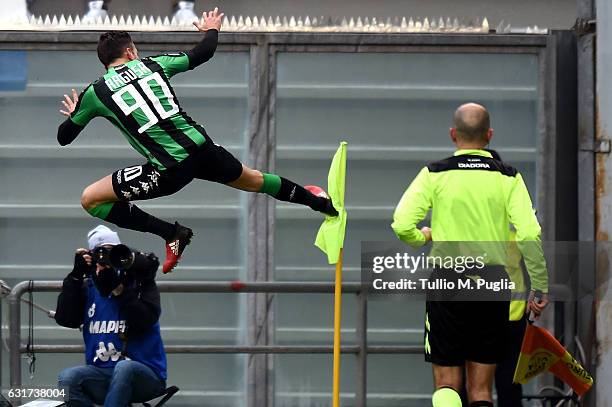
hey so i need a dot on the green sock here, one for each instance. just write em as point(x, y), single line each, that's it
point(271, 184)
point(288, 191)
point(446, 397)
point(101, 211)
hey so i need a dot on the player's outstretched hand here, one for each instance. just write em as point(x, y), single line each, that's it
point(70, 103)
point(211, 20)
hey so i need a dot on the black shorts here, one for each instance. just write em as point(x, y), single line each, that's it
point(473, 330)
point(460, 331)
point(210, 162)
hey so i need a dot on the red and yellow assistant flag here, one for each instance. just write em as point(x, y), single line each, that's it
point(541, 352)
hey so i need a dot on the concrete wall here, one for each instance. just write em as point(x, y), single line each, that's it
point(544, 13)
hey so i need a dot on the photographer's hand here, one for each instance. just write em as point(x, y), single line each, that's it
point(136, 268)
point(82, 264)
point(153, 266)
point(118, 290)
point(145, 266)
point(72, 299)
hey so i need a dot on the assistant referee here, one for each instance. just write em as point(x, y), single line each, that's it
point(473, 197)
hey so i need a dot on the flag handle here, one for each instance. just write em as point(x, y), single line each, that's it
point(337, 325)
point(537, 297)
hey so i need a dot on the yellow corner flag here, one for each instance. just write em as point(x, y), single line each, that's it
point(330, 238)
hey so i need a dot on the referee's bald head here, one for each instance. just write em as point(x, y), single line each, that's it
point(472, 123)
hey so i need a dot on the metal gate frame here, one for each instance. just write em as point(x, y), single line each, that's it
point(263, 49)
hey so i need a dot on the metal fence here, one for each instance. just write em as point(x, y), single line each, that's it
point(361, 350)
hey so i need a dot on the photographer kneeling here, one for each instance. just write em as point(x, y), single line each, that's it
point(118, 307)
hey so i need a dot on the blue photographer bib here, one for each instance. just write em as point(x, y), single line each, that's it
point(102, 326)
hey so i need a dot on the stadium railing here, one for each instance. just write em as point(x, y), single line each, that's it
point(360, 349)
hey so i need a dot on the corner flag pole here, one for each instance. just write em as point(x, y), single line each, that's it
point(337, 326)
point(330, 239)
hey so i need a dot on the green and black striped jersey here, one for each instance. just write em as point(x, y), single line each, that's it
point(138, 99)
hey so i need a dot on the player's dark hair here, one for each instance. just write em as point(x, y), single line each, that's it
point(472, 123)
point(112, 44)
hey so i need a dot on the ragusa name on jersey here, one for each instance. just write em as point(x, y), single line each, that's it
point(473, 165)
point(121, 79)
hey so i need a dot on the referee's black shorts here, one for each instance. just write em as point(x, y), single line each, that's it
point(459, 330)
point(211, 162)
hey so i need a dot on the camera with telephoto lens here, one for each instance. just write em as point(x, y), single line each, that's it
point(121, 257)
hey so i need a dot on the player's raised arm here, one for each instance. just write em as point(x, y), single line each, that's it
point(79, 114)
point(174, 63)
point(206, 48)
point(69, 103)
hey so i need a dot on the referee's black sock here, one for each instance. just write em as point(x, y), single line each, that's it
point(288, 191)
point(481, 404)
point(129, 216)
